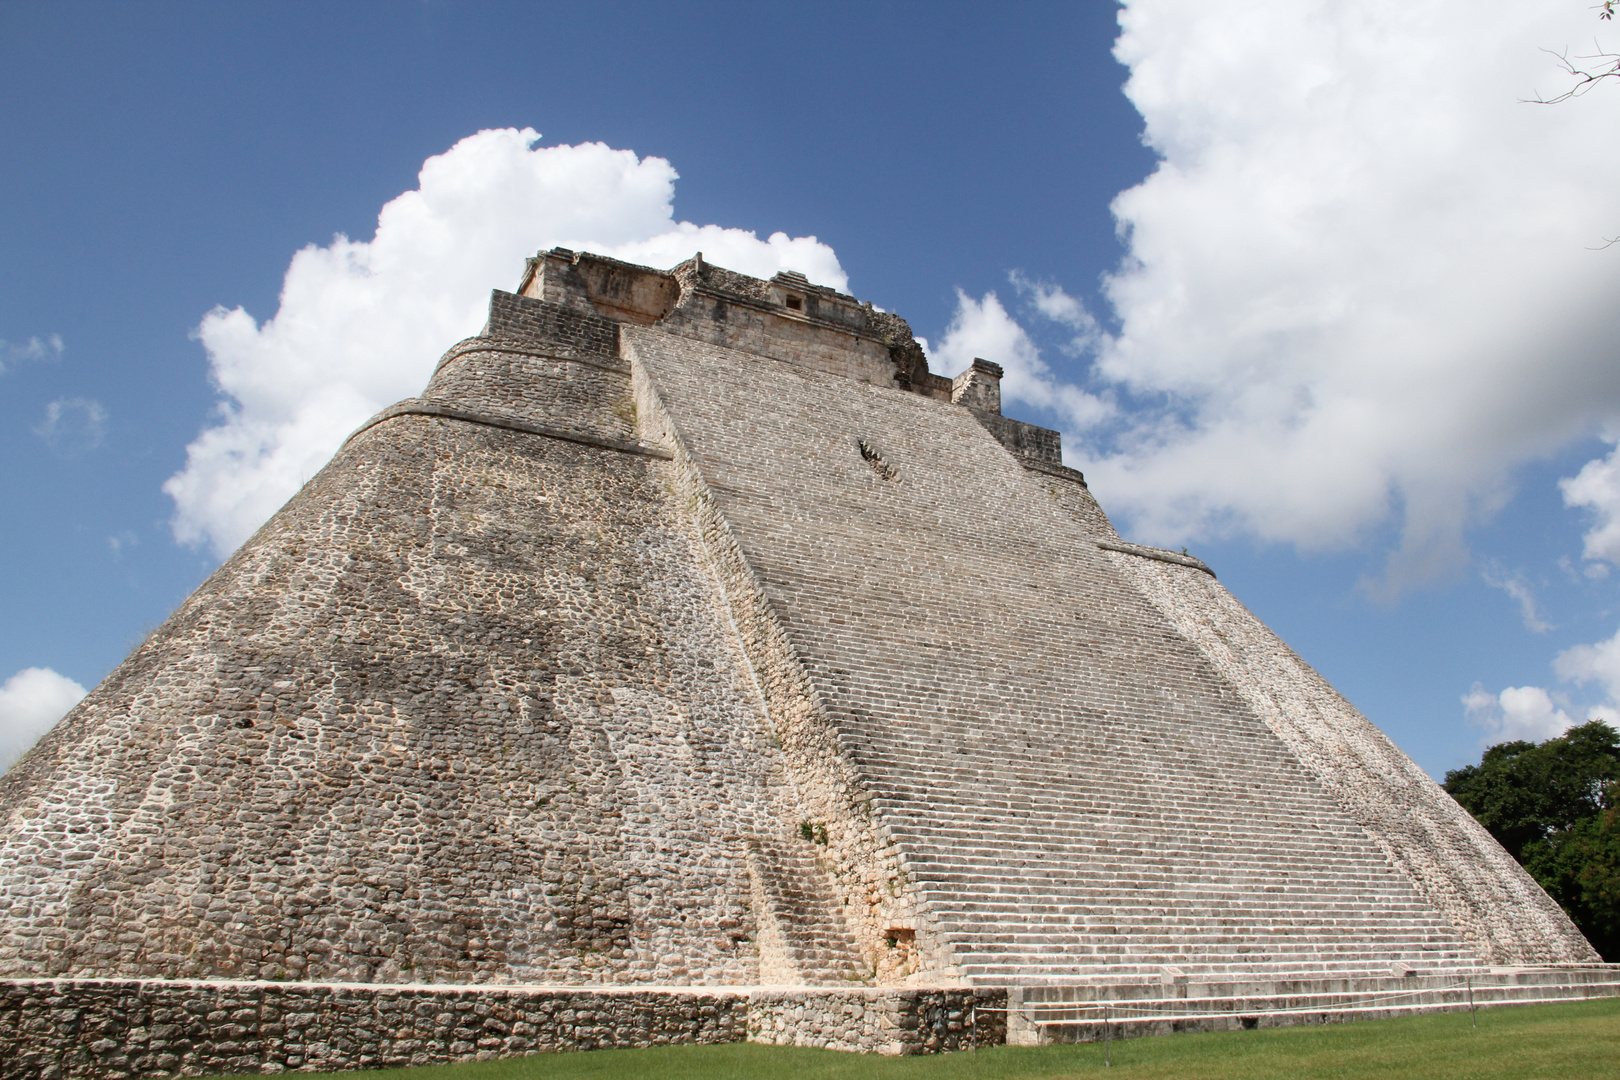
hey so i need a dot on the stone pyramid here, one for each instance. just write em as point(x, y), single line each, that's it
point(687, 631)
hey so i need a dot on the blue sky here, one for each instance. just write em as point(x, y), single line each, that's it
point(1344, 344)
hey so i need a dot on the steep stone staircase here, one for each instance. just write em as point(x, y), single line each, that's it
point(1119, 886)
point(1075, 794)
point(803, 939)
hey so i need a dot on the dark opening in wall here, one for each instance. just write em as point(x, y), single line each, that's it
point(795, 302)
point(874, 459)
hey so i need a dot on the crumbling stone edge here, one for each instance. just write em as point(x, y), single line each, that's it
point(425, 407)
point(1159, 554)
point(112, 1029)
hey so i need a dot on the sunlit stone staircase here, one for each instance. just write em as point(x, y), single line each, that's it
point(1121, 886)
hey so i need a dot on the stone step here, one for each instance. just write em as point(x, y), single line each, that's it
point(1150, 967)
point(1208, 924)
point(1078, 1011)
point(1233, 864)
point(1135, 891)
point(1189, 983)
point(1196, 921)
point(1237, 925)
point(1189, 837)
point(967, 950)
point(1162, 845)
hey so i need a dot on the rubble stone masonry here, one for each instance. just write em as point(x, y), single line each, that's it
point(686, 638)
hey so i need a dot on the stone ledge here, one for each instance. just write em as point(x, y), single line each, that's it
point(424, 407)
point(113, 1029)
point(519, 348)
point(1160, 554)
point(1061, 471)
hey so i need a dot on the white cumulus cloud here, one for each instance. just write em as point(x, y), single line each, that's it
point(1534, 714)
point(31, 702)
point(1598, 663)
point(1361, 284)
point(1597, 488)
point(1519, 712)
point(361, 322)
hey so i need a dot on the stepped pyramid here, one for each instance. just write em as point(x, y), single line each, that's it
point(688, 631)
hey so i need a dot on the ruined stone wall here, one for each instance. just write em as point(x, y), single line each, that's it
point(786, 317)
point(911, 1021)
point(552, 326)
point(1023, 441)
point(831, 332)
point(106, 1029)
point(112, 1030)
point(722, 321)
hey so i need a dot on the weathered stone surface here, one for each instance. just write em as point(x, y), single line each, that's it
point(466, 710)
point(686, 632)
point(1459, 869)
point(1018, 755)
point(108, 1029)
point(101, 1029)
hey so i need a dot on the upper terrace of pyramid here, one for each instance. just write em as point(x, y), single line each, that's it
point(787, 317)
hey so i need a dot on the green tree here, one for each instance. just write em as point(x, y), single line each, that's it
point(1554, 807)
point(1583, 874)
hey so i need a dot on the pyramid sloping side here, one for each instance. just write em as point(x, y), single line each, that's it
point(1070, 786)
point(1457, 866)
point(623, 658)
point(467, 709)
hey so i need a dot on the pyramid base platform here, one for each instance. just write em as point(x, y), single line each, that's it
point(113, 1029)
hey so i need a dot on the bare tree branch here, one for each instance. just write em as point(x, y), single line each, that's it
point(1586, 78)
point(1608, 67)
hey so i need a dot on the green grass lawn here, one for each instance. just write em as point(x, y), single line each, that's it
point(1581, 1040)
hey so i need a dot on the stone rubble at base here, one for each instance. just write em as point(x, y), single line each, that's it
point(688, 632)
